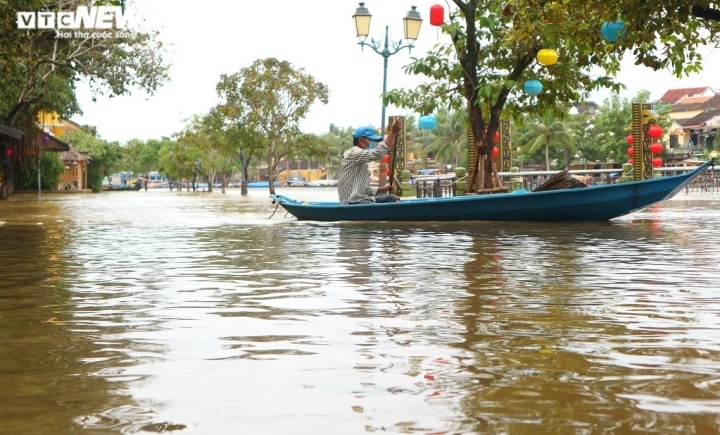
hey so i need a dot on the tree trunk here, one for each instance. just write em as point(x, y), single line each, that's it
point(271, 174)
point(547, 157)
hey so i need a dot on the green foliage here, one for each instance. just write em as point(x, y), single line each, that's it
point(449, 138)
point(37, 69)
point(106, 158)
point(337, 140)
point(547, 133)
point(494, 44)
point(51, 168)
point(265, 103)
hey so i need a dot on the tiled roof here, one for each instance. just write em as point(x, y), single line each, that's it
point(712, 103)
point(9, 131)
point(672, 96)
point(73, 156)
point(693, 100)
point(700, 118)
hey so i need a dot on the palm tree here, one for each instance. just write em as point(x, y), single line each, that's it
point(450, 136)
point(549, 132)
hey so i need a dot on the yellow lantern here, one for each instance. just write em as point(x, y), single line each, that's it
point(547, 56)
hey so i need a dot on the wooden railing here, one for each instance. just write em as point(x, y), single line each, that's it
point(433, 186)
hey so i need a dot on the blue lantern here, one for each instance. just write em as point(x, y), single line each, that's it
point(427, 122)
point(532, 87)
point(612, 30)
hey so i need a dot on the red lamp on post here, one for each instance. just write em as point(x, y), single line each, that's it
point(630, 139)
point(630, 152)
point(655, 131)
point(656, 148)
point(495, 152)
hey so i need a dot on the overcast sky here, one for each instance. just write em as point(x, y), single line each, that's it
point(217, 37)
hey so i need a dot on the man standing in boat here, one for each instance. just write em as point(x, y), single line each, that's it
point(354, 176)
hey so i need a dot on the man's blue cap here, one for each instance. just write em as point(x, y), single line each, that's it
point(367, 132)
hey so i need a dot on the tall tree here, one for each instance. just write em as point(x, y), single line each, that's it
point(106, 158)
point(37, 66)
point(450, 136)
point(494, 45)
point(270, 98)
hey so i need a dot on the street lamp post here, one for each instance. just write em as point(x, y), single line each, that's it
point(411, 25)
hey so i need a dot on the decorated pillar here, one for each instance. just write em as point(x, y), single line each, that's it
point(504, 143)
point(397, 156)
point(643, 118)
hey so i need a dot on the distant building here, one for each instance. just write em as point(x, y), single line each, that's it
point(76, 162)
point(696, 117)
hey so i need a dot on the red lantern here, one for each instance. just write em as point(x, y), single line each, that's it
point(655, 131)
point(437, 15)
point(9, 152)
point(495, 152)
point(386, 158)
point(496, 137)
point(631, 161)
point(630, 139)
point(657, 162)
point(631, 151)
point(656, 147)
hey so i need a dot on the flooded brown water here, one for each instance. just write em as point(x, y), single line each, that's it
point(147, 312)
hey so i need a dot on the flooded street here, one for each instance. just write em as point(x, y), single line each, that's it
point(204, 313)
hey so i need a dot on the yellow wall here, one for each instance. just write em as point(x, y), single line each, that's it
point(57, 126)
point(685, 115)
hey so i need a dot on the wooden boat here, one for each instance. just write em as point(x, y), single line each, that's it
point(118, 188)
point(261, 184)
point(592, 203)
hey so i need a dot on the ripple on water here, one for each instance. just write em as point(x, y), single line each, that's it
point(181, 312)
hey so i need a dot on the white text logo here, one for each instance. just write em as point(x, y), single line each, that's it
point(93, 17)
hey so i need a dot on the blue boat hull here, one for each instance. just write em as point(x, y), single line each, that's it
point(261, 184)
point(593, 203)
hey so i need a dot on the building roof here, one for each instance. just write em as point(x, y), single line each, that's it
point(9, 131)
point(712, 103)
point(700, 120)
point(692, 100)
point(672, 96)
point(54, 143)
point(74, 156)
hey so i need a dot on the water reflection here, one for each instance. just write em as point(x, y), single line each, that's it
point(159, 312)
point(49, 361)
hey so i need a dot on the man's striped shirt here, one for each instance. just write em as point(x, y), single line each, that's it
point(354, 175)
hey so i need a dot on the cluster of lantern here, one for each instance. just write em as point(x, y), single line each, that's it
point(495, 151)
point(655, 132)
point(545, 57)
point(630, 151)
